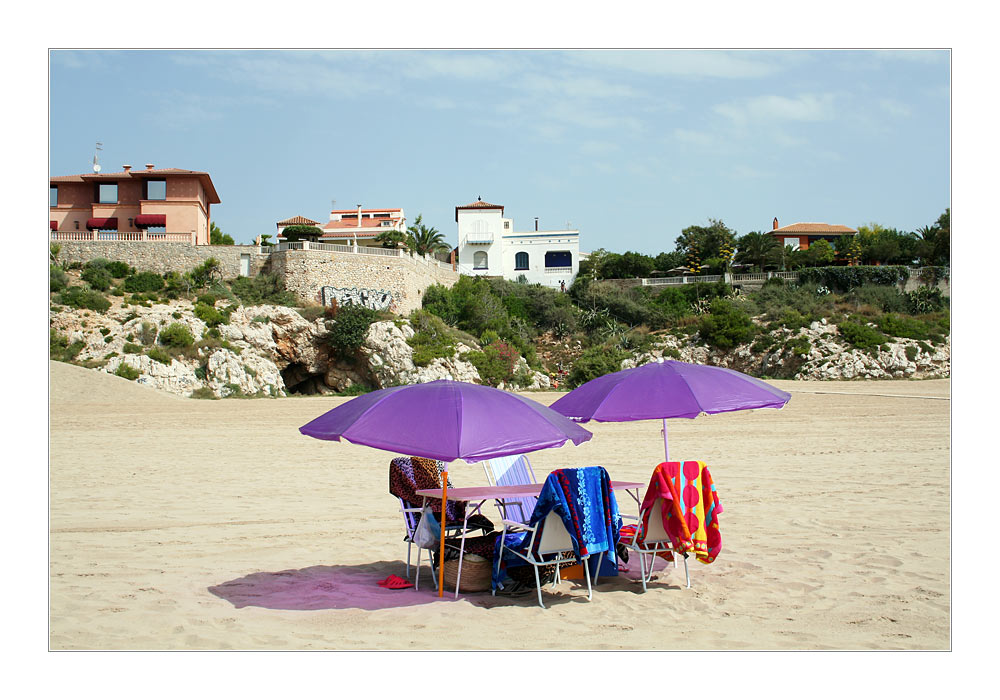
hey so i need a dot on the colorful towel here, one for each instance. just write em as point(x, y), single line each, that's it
point(407, 475)
point(690, 508)
point(584, 501)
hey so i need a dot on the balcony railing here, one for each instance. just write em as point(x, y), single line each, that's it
point(479, 238)
point(128, 236)
point(558, 270)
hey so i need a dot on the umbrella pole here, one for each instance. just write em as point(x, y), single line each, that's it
point(444, 520)
point(666, 449)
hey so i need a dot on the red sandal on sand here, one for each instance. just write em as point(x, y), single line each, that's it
point(395, 582)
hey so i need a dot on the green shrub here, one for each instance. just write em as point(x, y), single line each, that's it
point(127, 371)
point(160, 355)
point(726, 326)
point(143, 282)
point(147, 333)
point(349, 328)
point(923, 300)
point(439, 301)
point(911, 353)
point(262, 289)
point(83, 298)
point(176, 335)
point(131, 348)
point(355, 390)
point(904, 327)
point(61, 349)
point(203, 393)
point(887, 299)
point(844, 279)
point(495, 363)
point(206, 273)
point(57, 278)
point(97, 277)
point(860, 335)
point(118, 269)
point(595, 361)
point(925, 347)
point(431, 338)
point(210, 315)
point(208, 299)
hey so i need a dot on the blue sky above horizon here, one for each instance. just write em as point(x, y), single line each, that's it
point(629, 146)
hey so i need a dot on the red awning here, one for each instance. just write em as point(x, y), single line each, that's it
point(53, 225)
point(147, 220)
point(110, 222)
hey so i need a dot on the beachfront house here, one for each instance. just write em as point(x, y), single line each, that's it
point(489, 245)
point(800, 235)
point(361, 226)
point(155, 204)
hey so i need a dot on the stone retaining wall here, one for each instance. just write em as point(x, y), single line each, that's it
point(163, 257)
point(307, 272)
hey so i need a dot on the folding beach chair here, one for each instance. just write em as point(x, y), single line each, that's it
point(678, 515)
point(514, 470)
point(406, 476)
point(574, 521)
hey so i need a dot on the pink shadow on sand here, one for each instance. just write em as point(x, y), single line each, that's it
point(344, 587)
point(328, 588)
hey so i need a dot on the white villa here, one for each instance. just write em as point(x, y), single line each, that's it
point(488, 245)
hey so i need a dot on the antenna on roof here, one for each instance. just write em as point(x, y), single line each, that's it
point(97, 166)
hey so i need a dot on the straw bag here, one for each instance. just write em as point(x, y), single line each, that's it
point(476, 574)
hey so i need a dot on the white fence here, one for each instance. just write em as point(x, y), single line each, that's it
point(160, 236)
point(728, 278)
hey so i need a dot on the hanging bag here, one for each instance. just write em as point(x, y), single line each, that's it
point(428, 532)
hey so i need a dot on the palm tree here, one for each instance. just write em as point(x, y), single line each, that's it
point(759, 249)
point(424, 240)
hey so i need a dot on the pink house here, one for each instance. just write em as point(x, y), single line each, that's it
point(155, 204)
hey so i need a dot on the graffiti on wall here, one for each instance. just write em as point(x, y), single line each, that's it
point(377, 299)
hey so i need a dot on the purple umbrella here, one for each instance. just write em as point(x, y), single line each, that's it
point(447, 420)
point(667, 389)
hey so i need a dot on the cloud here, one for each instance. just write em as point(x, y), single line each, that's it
point(688, 63)
point(894, 108)
point(771, 108)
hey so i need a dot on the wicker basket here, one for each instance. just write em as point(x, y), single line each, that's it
point(477, 574)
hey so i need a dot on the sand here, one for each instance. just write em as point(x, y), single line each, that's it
point(185, 524)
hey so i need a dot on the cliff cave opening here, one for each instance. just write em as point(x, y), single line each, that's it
point(298, 380)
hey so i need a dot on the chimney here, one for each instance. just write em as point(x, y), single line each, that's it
point(359, 216)
point(536, 223)
point(126, 168)
point(774, 226)
point(149, 166)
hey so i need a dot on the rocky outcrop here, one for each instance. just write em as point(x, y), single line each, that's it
point(815, 352)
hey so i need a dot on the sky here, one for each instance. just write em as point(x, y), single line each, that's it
point(627, 146)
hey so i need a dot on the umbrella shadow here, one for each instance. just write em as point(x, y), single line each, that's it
point(321, 587)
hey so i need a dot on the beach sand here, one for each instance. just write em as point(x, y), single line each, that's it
point(186, 524)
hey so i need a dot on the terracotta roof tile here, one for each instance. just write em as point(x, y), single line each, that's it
point(479, 204)
point(815, 228)
point(297, 220)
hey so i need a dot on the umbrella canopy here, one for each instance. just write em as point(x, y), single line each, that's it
point(447, 420)
point(667, 389)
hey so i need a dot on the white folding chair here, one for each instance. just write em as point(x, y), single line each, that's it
point(553, 539)
point(513, 470)
point(410, 521)
point(657, 540)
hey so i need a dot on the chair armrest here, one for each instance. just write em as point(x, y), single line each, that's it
point(628, 517)
point(520, 526)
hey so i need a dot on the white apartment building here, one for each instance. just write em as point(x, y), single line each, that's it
point(489, 245)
